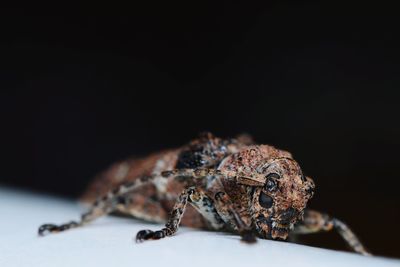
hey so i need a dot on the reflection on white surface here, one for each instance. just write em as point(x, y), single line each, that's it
point(109, 242)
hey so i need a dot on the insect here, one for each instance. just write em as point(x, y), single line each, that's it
point(212, 183)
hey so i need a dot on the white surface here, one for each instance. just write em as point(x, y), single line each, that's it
point(109, 242)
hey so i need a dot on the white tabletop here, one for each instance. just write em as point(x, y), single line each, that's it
point(109, 242)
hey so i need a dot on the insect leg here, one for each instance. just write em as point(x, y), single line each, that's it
point(103, 206)
point(223, 204)
point(173, 222)
point(204, 205)
point(226, 208)
point(315, 221)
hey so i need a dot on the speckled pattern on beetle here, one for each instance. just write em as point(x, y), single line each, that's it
point(230, 185)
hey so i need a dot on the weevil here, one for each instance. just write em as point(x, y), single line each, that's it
point(212, 183)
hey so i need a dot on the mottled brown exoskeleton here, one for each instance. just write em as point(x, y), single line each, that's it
point(230, 184)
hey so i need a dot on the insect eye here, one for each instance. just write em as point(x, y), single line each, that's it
point(265, 200)
point(272, 184)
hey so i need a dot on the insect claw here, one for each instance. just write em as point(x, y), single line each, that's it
point(248, 237)
point(143, 235)
point(52, 228)
point(47, 228)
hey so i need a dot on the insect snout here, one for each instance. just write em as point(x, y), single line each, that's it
point(288, 215)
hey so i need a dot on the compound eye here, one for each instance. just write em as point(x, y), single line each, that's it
point(265, 200)
point(271, 184)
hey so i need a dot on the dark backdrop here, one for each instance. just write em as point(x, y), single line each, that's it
point(84, 86)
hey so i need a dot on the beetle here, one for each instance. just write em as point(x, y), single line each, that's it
point(230, 185)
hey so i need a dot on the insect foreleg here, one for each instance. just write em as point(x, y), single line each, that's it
point(226, 208)
point(173, 221)
point(315, 221)
point(223, 204)
point(206, 207)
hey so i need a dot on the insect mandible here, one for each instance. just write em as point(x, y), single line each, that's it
point(230, 185)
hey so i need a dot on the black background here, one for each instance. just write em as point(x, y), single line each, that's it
point(86, 85)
